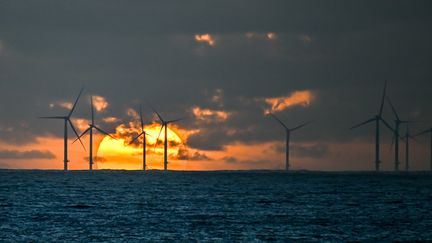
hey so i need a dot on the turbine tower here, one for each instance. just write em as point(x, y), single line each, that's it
point(430, 134)
point(164, 124)
point(396, 135)
point(288, 134)
point(90, 130)
point(377, 119)
point(406, 139)
point(144, 134)
point(67, 121)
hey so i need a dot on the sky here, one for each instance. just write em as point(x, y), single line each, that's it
point(221, 65)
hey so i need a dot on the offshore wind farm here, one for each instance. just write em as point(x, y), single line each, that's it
point(215, 121)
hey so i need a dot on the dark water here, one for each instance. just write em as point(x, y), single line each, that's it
point(214, 206)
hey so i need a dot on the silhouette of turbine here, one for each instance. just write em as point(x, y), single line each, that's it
point(66, 122)
point(430, 134)
point(144, 134)
point(377, 118)
point(396, 135)
point(406, 139)
point(164, 124)
point(288, 134)
point(90, 130)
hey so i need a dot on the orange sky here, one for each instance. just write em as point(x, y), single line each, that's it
point(115, 154)
point(119, 154)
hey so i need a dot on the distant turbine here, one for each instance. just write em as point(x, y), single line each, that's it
point(288, 134)
point(66, 122)
point(406, 139)
point(144, 134)
point(377, 118)
point(164, 125)
point(396, 136)
point(430, 134)
point(90, 129)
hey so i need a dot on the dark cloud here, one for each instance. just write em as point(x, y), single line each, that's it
point(32, 154)
point(310, 151)
point(185, 154)
point(142, 51)
point(235, 160)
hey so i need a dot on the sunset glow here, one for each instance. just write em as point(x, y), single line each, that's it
point(297, 98)
point(207, 38)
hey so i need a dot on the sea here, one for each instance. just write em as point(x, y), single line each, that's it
point(222, 206)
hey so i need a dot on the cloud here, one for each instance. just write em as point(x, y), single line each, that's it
point(206, 38)
point(31, 154)
point(210, 116)
point(97, 159)
point(185, 154)
point(62, 104)
point(111, 119)
point(217, 97)
point(99, 103)
point(80, 123)
point(315, 150)
point(234, 160)
point(305, 39)
point(296, 98)
point(271, 36)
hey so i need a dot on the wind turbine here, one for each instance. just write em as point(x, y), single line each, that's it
point(164, 125)
point(288, 134)
point(144, 134)
point(406, 139)
point(430, 134)
point(377, 118)
point(90, 130)
point(67, 121)
point(396, 136)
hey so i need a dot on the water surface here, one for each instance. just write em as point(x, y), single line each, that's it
point(213, 206)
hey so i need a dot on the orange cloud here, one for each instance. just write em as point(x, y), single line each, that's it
point(271, 35)
point(297, 98)
point(81, 124)
point(99, 103)
point(207, 38)
point(62, 104)
point(110, 119)
point(208, 115)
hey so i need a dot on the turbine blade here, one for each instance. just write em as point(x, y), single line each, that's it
point(176, 120)
point(136, 138)
point(158, 136)
point(363, 123)
point(74, 130)
point(302, 125)
point(386, 124)
point(383, 97)
point(106, 133)
point(141, 118)
point(82, 134)
point(76, 101)
point(424, 132)
point(92, 109)
point(157, 113)
point(393, 109)
point(392, 142)
point(52, 117)
point(278, 120)
point(148, 134)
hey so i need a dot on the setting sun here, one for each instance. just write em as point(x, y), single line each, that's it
point(120, 154)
